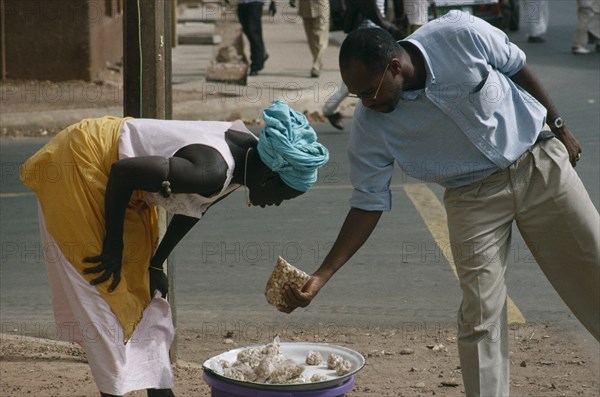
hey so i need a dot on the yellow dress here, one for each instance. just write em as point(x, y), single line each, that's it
point(69, 176)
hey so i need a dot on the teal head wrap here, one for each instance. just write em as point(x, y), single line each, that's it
point(288, 145)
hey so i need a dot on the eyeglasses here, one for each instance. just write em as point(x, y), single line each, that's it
point(369, 97)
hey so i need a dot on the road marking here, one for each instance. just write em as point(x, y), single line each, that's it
point(11, 195)
point(434, 215)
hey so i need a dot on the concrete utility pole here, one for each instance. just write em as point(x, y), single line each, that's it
point(2, 42)
point(147, 42)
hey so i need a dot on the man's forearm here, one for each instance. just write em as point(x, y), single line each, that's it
point(179, 226)
point(355, 231)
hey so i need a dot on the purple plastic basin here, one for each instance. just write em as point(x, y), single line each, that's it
point(220, 388)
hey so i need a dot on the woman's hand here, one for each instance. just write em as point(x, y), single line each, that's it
point(109, 265)
point(295, 298)
point(158, 281)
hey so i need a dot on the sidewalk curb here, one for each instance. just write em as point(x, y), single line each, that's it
point(214, 109)
point(53, 119)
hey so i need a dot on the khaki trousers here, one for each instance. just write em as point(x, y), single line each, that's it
point(542, 193)
point(317, 35)
point(588, 22)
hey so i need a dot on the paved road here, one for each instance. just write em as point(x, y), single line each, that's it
point(401, 278)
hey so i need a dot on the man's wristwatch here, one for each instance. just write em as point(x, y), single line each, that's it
point(557, 124)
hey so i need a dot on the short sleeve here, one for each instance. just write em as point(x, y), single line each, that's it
point(496, 47)
point(371, 169)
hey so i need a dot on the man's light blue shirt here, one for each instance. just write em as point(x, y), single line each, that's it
point(470, 121)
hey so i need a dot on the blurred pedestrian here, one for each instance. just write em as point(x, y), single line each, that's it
point(588, 26)
point(315, 18)
point(113, 173)
point(535, 15)
point(336, 17)
point(250, 16)
point(510, 15)
point(417, 12)
point(399, 16)
point(368, 14)
point(358, 14)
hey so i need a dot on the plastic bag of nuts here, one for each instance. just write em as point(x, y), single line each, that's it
point(283, 274)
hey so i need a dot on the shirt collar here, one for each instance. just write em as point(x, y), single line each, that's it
point(430, 76)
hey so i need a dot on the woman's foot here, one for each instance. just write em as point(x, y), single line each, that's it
point(160, 393)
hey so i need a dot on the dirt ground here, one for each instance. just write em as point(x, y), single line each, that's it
point(543, 363)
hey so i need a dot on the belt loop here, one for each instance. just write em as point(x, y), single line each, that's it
point(544, 134)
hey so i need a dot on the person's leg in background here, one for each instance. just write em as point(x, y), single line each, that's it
point(412, 28)
point(399, 17)
point(250, 17)
point(535, 15)
point(417, 14)
point(332, 105)
point(317, 34)
point(513, 24)
point(585, 14)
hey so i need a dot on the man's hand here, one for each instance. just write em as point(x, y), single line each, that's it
point(158, 281)
point(357, 227)
point(571, 143)
point(110, 265)
point(526, 79)
point(295, 298)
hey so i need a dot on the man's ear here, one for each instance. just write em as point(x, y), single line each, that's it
point(395, 66)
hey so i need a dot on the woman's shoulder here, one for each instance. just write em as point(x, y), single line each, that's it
point(201, 154)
